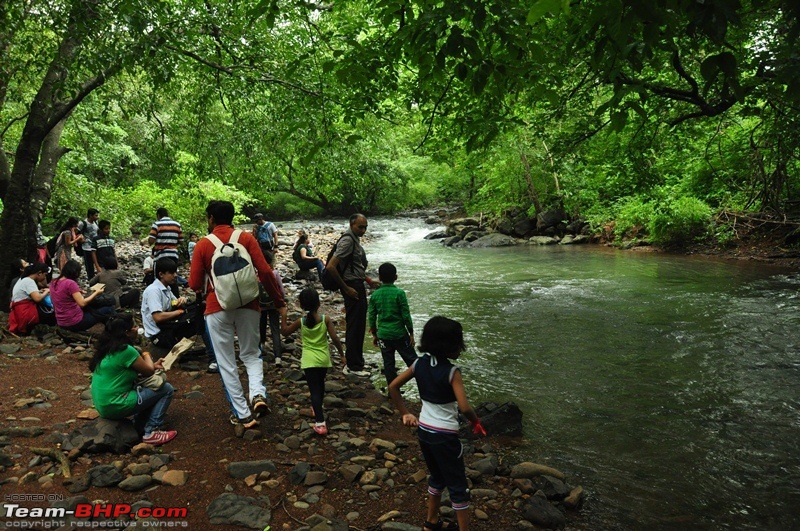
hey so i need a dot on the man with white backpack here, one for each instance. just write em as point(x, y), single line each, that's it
point(227, 265)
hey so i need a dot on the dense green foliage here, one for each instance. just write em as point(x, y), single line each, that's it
point(650, 117)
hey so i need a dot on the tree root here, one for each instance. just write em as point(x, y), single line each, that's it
point(57, 456)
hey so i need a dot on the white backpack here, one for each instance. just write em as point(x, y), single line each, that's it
point(232, 273)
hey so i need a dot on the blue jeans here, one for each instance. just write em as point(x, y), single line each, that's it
point(91, 318)
point(274, 319)
point(88, 263)
point(151, 406)
point(307, 265)
point(388, 348)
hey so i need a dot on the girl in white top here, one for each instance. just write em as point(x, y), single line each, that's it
point(25, 300)
point(442, 392)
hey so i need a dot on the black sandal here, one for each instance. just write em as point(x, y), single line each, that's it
point(441, 525)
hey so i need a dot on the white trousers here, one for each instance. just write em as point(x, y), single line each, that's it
point(221, 327)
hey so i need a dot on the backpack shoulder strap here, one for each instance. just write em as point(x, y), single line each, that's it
point(235, 236)
point(348, 260)
point(346, 235)
point(216, 241)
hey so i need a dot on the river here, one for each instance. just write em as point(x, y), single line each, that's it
point(667, 386)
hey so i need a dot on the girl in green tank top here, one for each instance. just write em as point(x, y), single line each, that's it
point(315, 359)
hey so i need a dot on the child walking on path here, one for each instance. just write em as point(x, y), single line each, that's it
point(316, 358)
point(271, 316)
point(441, 390)
point(390, 322)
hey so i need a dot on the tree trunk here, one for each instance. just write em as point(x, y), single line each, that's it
point(42, 185)
point(532, 193)
point(17, 228)
point(47, 112)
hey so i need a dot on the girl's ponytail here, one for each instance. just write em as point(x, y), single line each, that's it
point(113, 339)
point(309, 301)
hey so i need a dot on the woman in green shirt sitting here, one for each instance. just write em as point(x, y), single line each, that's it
point(115, 367)
point(304, 256)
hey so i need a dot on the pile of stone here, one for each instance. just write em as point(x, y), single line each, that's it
point(384, 470)
point(548, 228)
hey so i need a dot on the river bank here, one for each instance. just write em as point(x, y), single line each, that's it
point(755, 237)
point(367, 474)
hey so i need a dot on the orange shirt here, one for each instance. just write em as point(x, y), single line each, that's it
point(200, 277)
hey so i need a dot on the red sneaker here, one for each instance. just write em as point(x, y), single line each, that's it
point(157, 438)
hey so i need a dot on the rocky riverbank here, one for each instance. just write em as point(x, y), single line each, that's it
point(756, 237)
point(366, 474)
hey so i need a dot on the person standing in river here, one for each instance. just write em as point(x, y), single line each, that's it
point(348, 267)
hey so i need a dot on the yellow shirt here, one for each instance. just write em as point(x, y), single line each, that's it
point(315, 345)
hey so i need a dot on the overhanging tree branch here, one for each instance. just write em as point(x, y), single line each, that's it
point(63, 109)
point(235, 70)
point(433, 112)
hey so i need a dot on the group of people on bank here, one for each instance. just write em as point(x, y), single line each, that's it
point(63, 302)
point(127, 381)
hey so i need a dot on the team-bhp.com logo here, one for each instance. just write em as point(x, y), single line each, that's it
point(121, 514)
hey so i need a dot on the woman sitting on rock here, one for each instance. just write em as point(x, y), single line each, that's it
point(115, 367)
point(26, 299)
point(304, 256)
point(72, 308)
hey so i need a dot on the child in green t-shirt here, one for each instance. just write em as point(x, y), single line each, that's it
point(390, 322)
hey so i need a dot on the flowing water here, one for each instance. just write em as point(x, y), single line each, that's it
point(668, 386)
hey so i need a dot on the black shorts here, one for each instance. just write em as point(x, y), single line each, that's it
point(444, 455)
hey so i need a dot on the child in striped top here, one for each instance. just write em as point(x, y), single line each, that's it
point(442, 392)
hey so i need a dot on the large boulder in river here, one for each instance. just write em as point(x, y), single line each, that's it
point(542, 240)
point(569, 239)
point(550, 219)
point(473, 235)
point(452, 240)
point(494, 239)
point(524, 227)
point(504, 226)
point(502, 419)
point(436, 235)
point(462, 226)
point(539, 511)
point(465, 221)
point(577, 226)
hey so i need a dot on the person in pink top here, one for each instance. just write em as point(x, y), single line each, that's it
point(223, 324)
point(71, 307)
